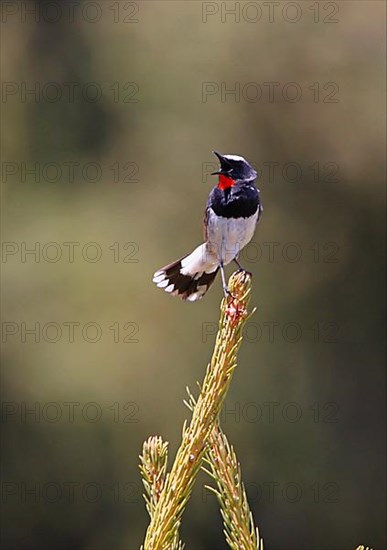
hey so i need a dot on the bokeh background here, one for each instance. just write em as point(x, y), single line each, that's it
point(126, 160)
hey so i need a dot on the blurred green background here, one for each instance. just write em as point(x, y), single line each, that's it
point(125, 159)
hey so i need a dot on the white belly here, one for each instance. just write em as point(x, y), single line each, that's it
point(227, 236)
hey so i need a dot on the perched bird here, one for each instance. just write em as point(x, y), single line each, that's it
point(232, 212)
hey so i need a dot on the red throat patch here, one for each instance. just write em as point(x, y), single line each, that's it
point(225, 182)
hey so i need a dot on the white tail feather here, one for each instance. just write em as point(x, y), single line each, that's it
point(190, 276)
point(199, 261)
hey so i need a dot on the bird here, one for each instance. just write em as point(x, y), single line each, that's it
point(232, 212)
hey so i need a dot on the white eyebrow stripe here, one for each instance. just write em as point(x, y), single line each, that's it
point(233, 157)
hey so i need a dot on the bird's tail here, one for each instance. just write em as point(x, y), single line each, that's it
point(191, 276)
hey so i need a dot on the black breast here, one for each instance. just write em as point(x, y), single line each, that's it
point(240, 201)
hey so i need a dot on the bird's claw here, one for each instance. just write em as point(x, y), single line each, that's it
point(242, 270)
point(228, 293)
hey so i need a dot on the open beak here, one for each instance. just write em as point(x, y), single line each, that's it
point(224, 165)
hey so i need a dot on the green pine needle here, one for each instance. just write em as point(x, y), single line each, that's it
point(177, 487)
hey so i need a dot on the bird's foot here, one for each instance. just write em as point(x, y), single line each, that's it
point(240, 268)
point(228, 293)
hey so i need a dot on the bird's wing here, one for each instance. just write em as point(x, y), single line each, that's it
point(205, 222)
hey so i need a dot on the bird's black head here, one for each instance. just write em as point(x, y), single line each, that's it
point(235, 168)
